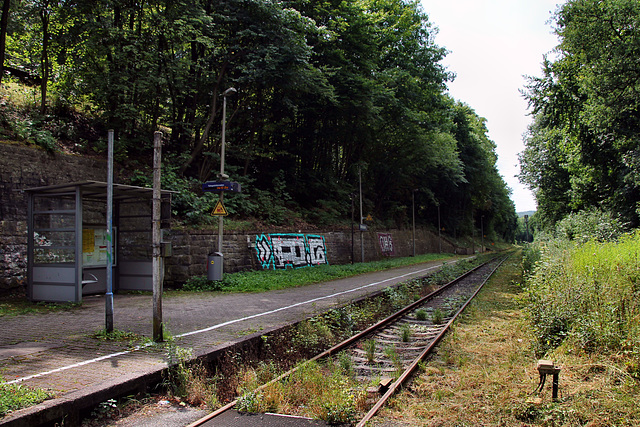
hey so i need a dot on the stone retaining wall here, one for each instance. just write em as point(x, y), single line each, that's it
point(26, 167)
point(192, 247)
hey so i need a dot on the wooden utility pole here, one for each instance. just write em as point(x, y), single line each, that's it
point(156, 238)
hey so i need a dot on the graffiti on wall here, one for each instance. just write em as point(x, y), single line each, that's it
point(386, 243)
point(281, 251)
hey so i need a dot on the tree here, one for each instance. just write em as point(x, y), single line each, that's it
point(4, 23)
point(323, 88)
point(586, 105)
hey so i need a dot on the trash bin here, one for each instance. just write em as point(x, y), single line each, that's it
point(214, 266)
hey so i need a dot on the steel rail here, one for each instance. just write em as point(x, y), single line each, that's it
point(355, 338)
point(409, 371)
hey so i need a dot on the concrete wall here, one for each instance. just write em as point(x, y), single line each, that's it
point(25, 167)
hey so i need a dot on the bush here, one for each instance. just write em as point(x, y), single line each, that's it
point(588, 292)
point(590, 224)
point(28, 131)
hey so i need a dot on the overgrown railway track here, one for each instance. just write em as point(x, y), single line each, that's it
point(390, 351)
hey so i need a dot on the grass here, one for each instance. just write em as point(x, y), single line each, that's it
point(14, 305)
point(266, 280)
point(587, 293)
point(484, 373)
point(370, 349)
point(16, 396)
point(319, 390)
point(437, 317)
point(239, 373)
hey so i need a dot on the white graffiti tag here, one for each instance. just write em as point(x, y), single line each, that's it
point(281, 251)
point(386, 243)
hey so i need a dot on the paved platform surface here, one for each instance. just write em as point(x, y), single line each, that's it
point(56, 351)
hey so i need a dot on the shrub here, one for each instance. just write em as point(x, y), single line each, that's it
point(370, 349)
point(405, 333)
point(590, 224)
point(588, 292)
point(437, 316)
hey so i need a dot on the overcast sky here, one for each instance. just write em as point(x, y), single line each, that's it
point(493, 44)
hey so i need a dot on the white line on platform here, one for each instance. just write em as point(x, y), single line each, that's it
point(219, 325)
point(230, 322)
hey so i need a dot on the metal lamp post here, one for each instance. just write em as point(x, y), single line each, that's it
point(222, 175)
point(413, 214)
point(482, 232)
point(439, 237)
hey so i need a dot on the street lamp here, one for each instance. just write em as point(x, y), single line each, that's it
point(222, 175)
point(439, 237)
point(413, 214)
point(482, 232)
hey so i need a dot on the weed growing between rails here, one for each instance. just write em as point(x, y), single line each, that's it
point(322, 390)
point(484, 373)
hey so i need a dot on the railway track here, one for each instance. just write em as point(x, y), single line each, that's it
point(390, 351)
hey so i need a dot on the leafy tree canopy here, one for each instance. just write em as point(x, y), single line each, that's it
point(582, 150)
point(325, 89)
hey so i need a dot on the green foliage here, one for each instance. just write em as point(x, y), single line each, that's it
point(370, 349)
point(587, 293)
point(186, 204)
point(29, 131)
point(180, 372)
point(531, 256)
point(582, 149)
point(437, 317)
point(15, 305)
point(323, 88)
point(591, 224)
point(345, 363)
point(312, 335)
point(405, 333)
point(396, 360)
point(260, 281)
point(16, 396)
point(421, 314)
point(201, 284)
point(117, 335)
point(321, 391)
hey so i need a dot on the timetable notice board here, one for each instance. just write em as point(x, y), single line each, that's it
point(94, 247)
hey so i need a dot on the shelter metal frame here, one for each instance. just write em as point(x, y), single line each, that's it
point(56, 268)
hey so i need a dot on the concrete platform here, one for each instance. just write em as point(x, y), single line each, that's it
point(239, 419)
point(55, 351)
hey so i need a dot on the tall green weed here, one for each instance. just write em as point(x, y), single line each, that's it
point(587, 292)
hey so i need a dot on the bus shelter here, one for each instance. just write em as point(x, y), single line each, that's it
point(67, 239)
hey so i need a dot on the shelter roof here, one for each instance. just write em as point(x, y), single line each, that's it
point(97, 190)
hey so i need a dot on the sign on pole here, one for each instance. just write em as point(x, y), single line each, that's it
point(221, 186)
point(219, 210)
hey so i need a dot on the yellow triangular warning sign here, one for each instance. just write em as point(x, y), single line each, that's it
point(219, 210)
